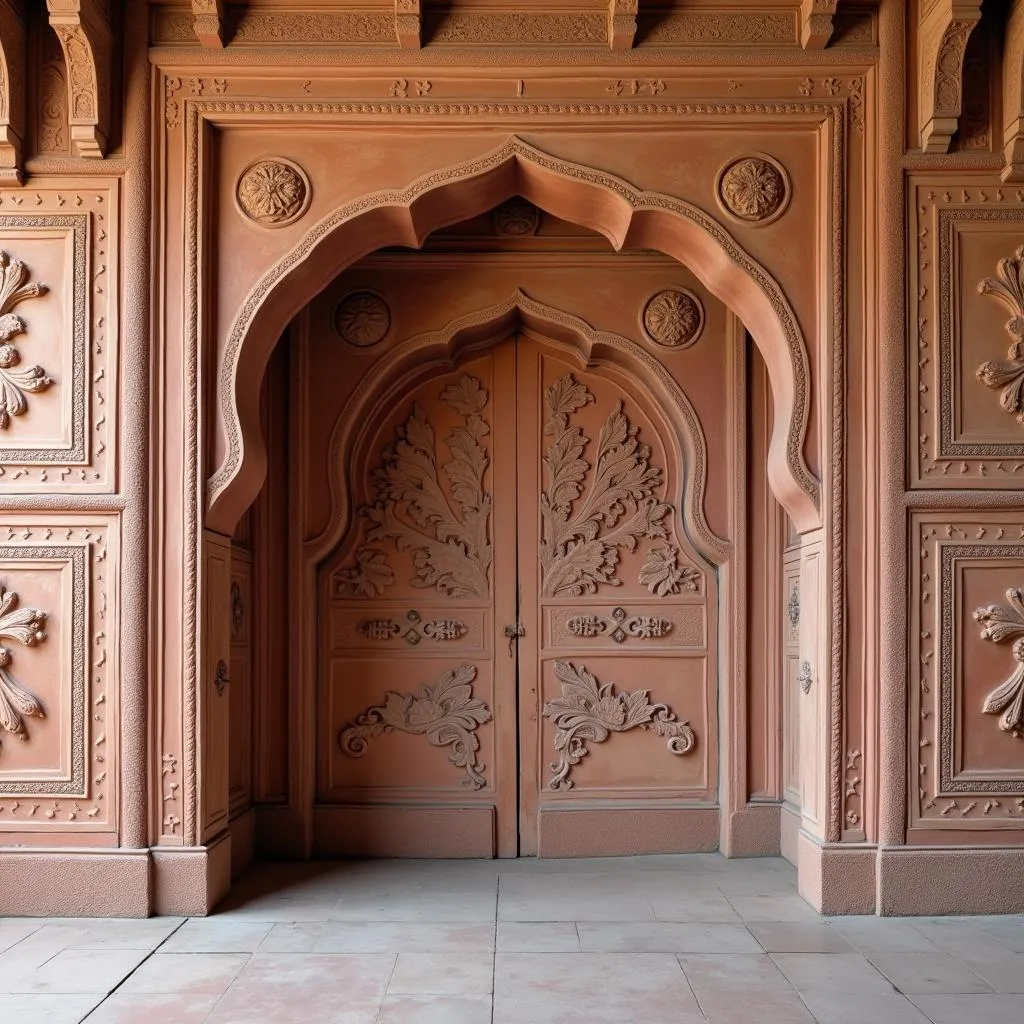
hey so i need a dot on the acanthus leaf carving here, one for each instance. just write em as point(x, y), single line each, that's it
point(999, 625)
point(580, 543)
point(16, 383)
point(446, 713)
point(447, 529)
point(662, 574)
point(590, 711)
point(23, 626)
point(1007, 287)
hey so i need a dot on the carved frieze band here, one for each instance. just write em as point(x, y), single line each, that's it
point(1001, 624)
point(16, 381)
point(587, 523)
point(589, 712)
point(1007, 287)
point(449, 538)
point(446, 713)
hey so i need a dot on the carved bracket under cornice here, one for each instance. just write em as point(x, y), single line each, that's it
point(209, 22)
point(1013, 93)
point(944, 29)
point(816, 23)
point(12, 90)
point(409, 24)
point(85, 38)
point(622, 23)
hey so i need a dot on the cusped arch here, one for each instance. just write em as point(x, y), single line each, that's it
point(435, 352)
point(625, 215)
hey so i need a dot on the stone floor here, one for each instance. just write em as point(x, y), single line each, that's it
point(660, 940)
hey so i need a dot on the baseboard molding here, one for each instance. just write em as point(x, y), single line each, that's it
point(789, 832)
point(836, 878)
point(627, 832)
point(243, 842)
point(753, 831)
point(443, 832)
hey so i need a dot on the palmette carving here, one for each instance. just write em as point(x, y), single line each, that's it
point(23, 626)
point(446, 713)
point(1000, 624)
point(446, 527)
point(1008, 288)
point(589, 711)
point(581, 533)
point(15, 383)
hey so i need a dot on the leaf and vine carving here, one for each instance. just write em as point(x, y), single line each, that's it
point(23, 626)
point(589, 711)
point(439, 511)
point(1007, 287)
point(446, 713)
point(584, 524)
point(16, 382)
point(999, 624)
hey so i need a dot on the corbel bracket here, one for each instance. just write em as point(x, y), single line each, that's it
point(208, 22)
point(622, 23)
point(1013, 94)
point(409, 24)
point(816, 23)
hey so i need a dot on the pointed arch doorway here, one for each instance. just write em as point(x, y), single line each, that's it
point(517, 648)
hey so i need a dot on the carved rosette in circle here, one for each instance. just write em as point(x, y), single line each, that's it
point(753, 189)
point(362, 319)
point(273, 192)
point(674, 318)
point(517, 217)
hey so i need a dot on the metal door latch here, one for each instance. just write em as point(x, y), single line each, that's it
point(514, 633)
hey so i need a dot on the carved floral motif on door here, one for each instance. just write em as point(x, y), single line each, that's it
point(438, 510)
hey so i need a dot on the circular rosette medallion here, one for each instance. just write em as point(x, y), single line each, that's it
point(273, 192)
point(673, 318)
point(753, 189)
point(517, 216)
point(362, 319)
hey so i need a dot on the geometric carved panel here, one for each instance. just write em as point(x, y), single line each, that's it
point(970, 772)
point(67, 240)
point(62, 776)
point(964, 439)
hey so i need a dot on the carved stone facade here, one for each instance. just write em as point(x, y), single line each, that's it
point(411, 405)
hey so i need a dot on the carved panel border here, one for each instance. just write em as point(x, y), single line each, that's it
point(78, 224)
point(944, 800)
point(75, 556)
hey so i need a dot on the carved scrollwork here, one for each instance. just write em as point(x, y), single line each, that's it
point(15, 383)
point(753, 189)
point(23, 626)
point(582, 533)
point(445, 525)
point(1007, 287)
point(793, 607)
point(446, 713)
point(806, 676)
point(589, 711)
point(438, 630)
point(273, 192)
point(619, 626)
point(1000, 624)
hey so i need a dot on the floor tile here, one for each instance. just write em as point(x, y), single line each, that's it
point(884, 935)
point(977, 1009)
point(799, 937)
point(186, 973)
point(14, 931)
point(402, 937)
point(664, 937)
point(431, 906)
point(867, 1008)
point(959, 937)
point(1002, 972)
point(409, 1009)
point(165, 1008)
point(831, 973)
point(566, 988)
point(82, 971)
point(679, 903)
point(772, 908)
point(538, 937)
point(1007, 931)
point(914, 973)
point(217, 935)
point(733, 988)
point(301, 988)
point(127, 933)
point(46, 1009)
point(300, 937)
point(452, 974)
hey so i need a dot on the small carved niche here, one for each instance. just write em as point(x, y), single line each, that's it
point(974, 132)
point(48, 93)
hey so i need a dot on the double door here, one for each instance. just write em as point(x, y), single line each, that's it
point(516, 641)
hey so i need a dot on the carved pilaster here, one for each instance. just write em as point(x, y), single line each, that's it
point(1013, 94)
point(622, 23)
point(12, 91)
point(942, 38)
point(84, 34)
point(409, 24)
point(816, 23)
point(208, 22)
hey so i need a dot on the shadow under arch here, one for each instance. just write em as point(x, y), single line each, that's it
point(440, 350)
point(625, 215)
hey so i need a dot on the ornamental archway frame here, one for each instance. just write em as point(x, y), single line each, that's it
point(226, 339)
